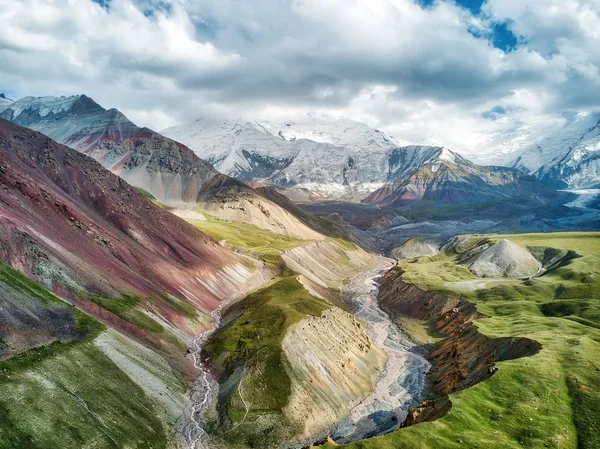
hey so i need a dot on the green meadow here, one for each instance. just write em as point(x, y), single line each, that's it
point(71, 395)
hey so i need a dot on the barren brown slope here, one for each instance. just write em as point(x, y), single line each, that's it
point(90, 237)
point(232, 200)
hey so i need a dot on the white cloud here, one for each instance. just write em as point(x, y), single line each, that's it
point(428, 75)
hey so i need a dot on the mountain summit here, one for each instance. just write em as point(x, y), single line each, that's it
point(567, 158)
point(144, 158)
point(316, 159)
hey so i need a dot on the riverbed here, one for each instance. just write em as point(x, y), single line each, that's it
point(205, 389)
point(402, 383)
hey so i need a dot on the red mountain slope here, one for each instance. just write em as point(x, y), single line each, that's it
point(90, 237)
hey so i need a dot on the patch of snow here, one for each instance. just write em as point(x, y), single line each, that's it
point(448, 156)
point(44, 105)
point(329, 157)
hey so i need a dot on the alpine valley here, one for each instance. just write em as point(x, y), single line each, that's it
point(258, 284)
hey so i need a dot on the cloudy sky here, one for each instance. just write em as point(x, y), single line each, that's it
point(481, 77)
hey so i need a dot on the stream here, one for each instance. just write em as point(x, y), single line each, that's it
point(203, 391)
point(205, 388)
point(402, 383)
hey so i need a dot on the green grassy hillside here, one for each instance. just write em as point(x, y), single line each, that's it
point(69, 394)
point(247, 351)
point(550, 400)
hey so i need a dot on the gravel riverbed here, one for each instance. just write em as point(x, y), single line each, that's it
point(402, 383)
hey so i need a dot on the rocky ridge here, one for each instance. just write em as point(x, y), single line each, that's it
point(464, 358)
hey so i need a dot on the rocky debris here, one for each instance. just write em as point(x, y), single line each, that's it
point(503, 259)
point(465, 357)
point(414, 248)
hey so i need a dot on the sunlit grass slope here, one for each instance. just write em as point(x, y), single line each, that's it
point(262, 243)
point(70, 395)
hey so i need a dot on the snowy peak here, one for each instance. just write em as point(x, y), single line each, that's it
point(341, 132)
point(569, 157)
point(331, 158)
point(44, 106)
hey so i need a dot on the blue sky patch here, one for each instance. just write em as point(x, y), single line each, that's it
point(502, 37)
point(104, 3)
point(494, 113)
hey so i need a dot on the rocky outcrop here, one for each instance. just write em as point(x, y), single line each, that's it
point(415, 247)
point(333, 365)
point(327, 263)
point(465, 357)
point(503, 259)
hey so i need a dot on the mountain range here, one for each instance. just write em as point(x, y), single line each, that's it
point(567, 158)
point(236, 170)
point(321, 159)
point(166, 169)
point(312, 160)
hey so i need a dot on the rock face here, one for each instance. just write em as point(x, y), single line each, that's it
point(332, 366)
point(503, 259)
point(88, 236)
point(568, 157)
point(464, 358)
point(415, 248)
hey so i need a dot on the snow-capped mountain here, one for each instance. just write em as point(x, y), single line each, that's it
point(144, 158)
point(567, 158)
point(449, 178)
point(329, 158)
